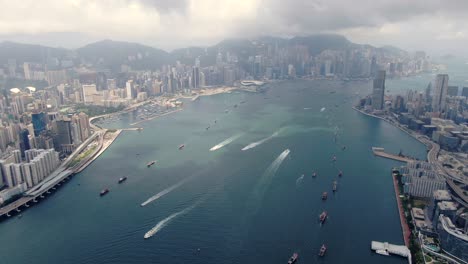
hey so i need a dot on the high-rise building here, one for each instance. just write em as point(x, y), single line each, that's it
point(130, 89)
point(440, 93)
point(63, 133)
point(88, 91)
point(196, 77)
point(24, 141)
point(452, 91)
point(378, 91)
point(39, 122)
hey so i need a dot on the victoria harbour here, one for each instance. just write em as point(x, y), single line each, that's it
point(248, 200)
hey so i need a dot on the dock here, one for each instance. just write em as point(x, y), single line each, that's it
point(385, 248)
point(381, 153)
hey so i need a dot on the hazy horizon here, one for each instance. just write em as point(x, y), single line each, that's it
point(438, 27)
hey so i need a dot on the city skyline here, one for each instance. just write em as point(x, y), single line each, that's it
point(439, 27)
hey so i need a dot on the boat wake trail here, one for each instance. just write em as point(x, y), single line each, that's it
point(254, 144)
point(265, 181)
point(163, 223)
point(225, 142)
point(165, 191)
point(299, 180)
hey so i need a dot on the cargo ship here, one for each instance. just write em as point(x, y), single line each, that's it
point(151, 163)
point(293, 258)
point(322, 251)
point(323, 216)
point(122, 179)
point(104, 192)
point(324, 195)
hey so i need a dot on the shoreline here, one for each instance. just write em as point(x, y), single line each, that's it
point(157, 116)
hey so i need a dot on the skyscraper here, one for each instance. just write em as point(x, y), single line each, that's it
point(130, 89)
point(39, 122)
point(465, 92)
point(24, 141)
point(440, 92)
point(378, 91)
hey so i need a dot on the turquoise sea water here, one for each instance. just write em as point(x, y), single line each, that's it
point(235, 206)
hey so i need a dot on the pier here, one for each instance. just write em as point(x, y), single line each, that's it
point(385, 248)
point(381, 153)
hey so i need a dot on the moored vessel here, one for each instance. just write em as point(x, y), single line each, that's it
point(322, 251)
point(324, 195)
point(323, 216)
point(293, 258)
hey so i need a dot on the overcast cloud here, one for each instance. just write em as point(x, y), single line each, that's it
point(434, 25)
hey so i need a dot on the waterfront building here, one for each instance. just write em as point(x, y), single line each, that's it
point(440, 93)
point(378, 91)
point(421, 180)
point(453, 240)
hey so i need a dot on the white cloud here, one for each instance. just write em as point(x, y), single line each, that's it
point(416, 24)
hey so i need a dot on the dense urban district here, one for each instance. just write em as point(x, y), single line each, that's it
point(54, 99)
point(432, 194)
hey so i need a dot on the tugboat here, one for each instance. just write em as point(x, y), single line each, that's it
point(335, 184)
point(104, 192)
point(122, 179)
point(293, 258)
point(151, 163)
point(322, 251)
point(181, 147)
point(323, 216)
point(324, 195)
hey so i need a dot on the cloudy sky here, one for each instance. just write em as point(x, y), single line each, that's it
point(438, 26)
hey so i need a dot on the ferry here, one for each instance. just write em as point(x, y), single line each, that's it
point(323, 216)
point(322, 251)
point(151, 163)
point(335, 185)
point(324, 195)
point(150, 233)
point(293, 258)
point(104, 192)
point(181, 147)
point(122, 179)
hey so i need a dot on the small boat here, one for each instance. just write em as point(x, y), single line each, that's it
point(323, 216)
point(208, 127)
point(340, 173)
point(334, 158)
point(322, 251)
point(324, 195)
point(293, 258)
point(181, 147)
point(335, 184)
point(104, 192)
point(235, 106)
point(122, 179)
point(151, 163)
point(19, 216)
point(343, 148)
point(314, 174)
